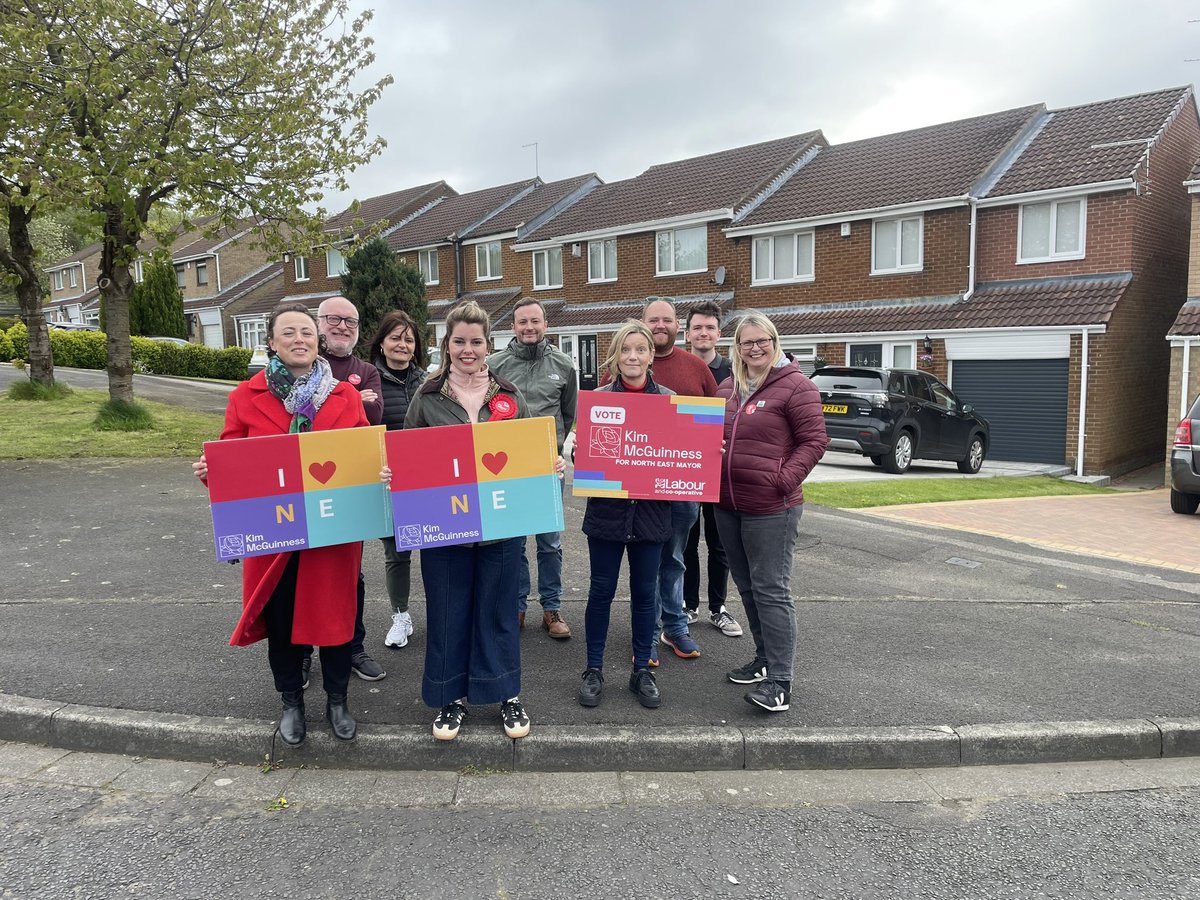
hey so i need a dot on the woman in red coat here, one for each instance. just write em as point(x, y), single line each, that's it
point(303, 597)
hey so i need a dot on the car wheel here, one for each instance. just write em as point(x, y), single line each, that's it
point(1184, 503)
point(878, 459)
point(899, 458)
point(974, 460)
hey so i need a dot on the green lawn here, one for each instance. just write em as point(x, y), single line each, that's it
point(857, 494)
point(62, 429)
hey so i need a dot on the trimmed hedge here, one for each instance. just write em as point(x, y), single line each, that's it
point(87, 350)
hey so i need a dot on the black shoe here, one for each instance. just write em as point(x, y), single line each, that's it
point(751, 673)
point(305, 671)
point(515, 719)
point(291, 724)
point(340, 721)
point(771, 696)
point(592, 687)
point(642, 683)
point(366, 668)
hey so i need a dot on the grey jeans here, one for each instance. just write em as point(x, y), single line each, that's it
point(760, 551)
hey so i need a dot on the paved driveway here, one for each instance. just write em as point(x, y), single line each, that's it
point(836, 466)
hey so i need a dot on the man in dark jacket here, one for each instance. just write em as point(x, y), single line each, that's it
point(547, 379)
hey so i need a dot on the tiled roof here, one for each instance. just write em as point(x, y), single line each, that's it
point(612, 314)
point(1188, 320)
point(385, 206)
point(923, 164)
point(1075, 145)
point(203, 245)
point(78, 256)
point(492, 302)
point(534, 204)
point(1033, 303)
point(251, 282)
point(724, 180)
point(453, 215)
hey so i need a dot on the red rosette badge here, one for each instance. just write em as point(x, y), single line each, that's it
point(502, 407)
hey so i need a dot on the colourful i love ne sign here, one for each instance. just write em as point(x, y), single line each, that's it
point(648, 446)
point(295, 491)
point(463, 483)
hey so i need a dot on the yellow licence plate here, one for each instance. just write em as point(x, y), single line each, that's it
point(833, 408)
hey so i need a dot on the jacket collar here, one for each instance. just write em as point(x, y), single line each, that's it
point(528, 351)
point(272, 407)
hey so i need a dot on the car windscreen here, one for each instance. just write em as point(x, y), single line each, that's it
point(857, 381)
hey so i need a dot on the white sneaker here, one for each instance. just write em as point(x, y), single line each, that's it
point(693, 616)
point(397, 635)
point(727, 623)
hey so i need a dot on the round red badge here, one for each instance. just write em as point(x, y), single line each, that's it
point(354, 379)
point(502, 407)
point(750, 409)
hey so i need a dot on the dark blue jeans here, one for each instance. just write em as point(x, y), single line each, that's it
point(605, 556)
point(473, 646)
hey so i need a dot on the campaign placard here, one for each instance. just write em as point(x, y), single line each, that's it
point(463, 483)
point(289, 492)
point(648, 446)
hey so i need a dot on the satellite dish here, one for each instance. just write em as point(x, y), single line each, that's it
point(719, 276)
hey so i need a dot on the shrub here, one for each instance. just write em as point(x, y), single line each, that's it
point(6, 350)
point(78, 349)
point(117, 415)
point(196, 361)
point(145, 354)
point(18, 336)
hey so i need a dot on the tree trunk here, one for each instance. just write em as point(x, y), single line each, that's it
point(116, 284)
point(30, 296)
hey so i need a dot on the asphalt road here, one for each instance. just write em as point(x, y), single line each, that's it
point(203, 396)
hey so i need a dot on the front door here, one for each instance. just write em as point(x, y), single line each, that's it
point(588, 380)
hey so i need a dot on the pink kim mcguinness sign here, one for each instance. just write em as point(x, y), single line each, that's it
point(648, 446)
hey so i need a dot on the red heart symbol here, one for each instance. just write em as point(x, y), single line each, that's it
point(494, 462)
point(323, 471)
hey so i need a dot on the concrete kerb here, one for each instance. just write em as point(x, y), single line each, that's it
point(595, 748)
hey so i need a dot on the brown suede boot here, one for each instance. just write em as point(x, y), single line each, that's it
point(553, 623)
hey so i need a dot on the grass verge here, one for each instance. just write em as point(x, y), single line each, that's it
point(64, 429)
point(117, 415)
point(30, 390)
point(893, 492)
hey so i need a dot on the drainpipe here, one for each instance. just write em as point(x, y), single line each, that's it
point(458, 266)
point(971, 258)
point(1184, 393)
point(1083, 388)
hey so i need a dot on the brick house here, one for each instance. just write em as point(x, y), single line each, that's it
point(658, 233)
point(73, 285)
point(1033, 259)
point(1184, 334)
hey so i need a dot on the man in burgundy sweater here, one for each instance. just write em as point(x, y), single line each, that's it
point(337, 322)
point(683, 373)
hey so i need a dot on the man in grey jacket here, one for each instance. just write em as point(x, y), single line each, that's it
point(547, 379)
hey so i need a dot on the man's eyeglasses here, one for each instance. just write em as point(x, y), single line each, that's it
point(334, 321)
point(761, 343)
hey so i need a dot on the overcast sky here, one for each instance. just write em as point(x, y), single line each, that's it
point(615, 87)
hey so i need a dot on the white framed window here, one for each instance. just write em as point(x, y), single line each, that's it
point(896, 245)
point(300, 264)
point(900, 355)
point(602, 260)
point(58, 280)
point(201, 274)
point(487, 261)
point(335, 263)
point(252, 333)
point(74, 277)
point(181, 275)
point(681, 250)
point(547, 269)
point(1052, 230)
point(783, 257)
point(427, 262)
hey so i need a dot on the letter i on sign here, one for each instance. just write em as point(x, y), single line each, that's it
point(456, 467)
point(281, 477)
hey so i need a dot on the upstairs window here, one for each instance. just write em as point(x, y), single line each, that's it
point(58, 280)
point(335, 263)
point(181, 275)
point(547, 268)
point(427, 262)
point(602, 260)
point(783, 257)
point(682, 250)
point(301, 268)
point(487, 261)
point(1051, 231)
point(896, 245)
point(74, 277)
point(201, 274)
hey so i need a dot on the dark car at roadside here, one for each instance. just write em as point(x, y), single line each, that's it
point(1185, 462)
point(895, 416)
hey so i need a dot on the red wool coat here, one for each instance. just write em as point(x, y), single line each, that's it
point(326, 580)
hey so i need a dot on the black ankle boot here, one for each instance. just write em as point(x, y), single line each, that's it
point(343, 724)
point(291, 724)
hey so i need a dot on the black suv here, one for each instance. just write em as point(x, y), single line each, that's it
point(897, 415)
point(1185, 463)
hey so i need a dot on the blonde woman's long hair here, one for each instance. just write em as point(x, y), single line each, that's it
point(741, 377)
point(470, 313)
point(631, 326)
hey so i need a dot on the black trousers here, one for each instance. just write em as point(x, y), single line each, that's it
point(285, 657)
point(718, 567)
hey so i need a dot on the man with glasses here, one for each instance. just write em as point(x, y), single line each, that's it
point(337, 323)
point(703, 332)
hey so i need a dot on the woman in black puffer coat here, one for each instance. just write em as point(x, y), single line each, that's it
point(398, 352)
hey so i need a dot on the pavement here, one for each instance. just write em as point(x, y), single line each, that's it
point(981, 639)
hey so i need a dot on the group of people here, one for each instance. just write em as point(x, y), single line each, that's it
point(477, 594)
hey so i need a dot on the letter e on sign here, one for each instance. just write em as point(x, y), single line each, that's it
point(327, 508)
point(498, 500)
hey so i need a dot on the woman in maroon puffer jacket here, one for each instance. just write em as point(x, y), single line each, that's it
point(774, 435)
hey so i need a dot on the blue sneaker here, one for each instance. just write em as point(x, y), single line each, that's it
point(682, 644)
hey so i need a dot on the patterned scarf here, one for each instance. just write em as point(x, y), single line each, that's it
point(302, 396)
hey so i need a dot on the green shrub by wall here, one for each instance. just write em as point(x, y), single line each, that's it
point(78, 349)
point(87, 350)
point(6, 351)
point(18, 336)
